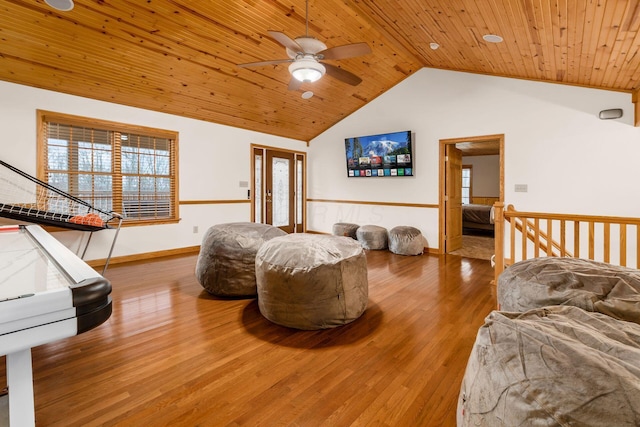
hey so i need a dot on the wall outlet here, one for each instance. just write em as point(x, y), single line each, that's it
point(195, 229)
point(520, 188)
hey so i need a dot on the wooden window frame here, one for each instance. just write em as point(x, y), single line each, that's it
point(470, 167)
point(45, 117)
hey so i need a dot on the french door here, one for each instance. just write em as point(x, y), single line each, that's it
point(278, 188)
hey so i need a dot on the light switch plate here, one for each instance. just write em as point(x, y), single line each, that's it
point(520, 188)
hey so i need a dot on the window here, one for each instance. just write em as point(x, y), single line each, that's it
point(467, 195)
point(123, 168)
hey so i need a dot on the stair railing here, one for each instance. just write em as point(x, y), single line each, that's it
point(525, 235)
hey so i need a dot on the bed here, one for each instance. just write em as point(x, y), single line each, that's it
point(477, 217)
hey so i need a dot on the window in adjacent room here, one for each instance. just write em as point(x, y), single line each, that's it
point(466, 185)
point(131, 170)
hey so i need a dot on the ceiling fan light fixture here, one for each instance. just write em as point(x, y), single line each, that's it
point(307, 70)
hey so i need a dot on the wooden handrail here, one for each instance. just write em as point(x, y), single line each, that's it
point(510, 212)
point(541, 230)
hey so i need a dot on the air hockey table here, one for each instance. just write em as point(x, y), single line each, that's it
point(47, 293)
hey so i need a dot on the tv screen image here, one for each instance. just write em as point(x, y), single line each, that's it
point(386, 154)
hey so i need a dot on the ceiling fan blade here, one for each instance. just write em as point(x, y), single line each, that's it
point(294, 84)
point(286, 41)
point(346, 51)
point(342, 75)
point(261, 63)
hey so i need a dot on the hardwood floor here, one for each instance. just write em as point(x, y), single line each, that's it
point(172, 355)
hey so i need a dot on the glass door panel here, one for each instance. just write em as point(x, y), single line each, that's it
point(257, 185)
point(279, 190)
point(300, 208)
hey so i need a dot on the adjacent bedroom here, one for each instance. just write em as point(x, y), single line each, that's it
point(480, 190)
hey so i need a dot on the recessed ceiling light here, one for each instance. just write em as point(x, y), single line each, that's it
point(306, 95)
point(434, 45)
point(63, 5)
point(492, 38)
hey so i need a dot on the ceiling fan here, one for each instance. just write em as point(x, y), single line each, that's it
point(306, 55)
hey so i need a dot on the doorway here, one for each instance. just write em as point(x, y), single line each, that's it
point(278, 188)
point(452, 152)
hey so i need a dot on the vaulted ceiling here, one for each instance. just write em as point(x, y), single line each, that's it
point(180, 56)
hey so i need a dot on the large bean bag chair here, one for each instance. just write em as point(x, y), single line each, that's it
point(311, 281)
point(226, 263)
point(590, 285)
point(554, 366)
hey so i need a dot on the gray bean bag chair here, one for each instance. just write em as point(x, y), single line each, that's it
point(372, 237)
point(590, 285)
point(311, 281)
point(226, 263)
point(345, 229)
point(557, 366)
point(406, 240)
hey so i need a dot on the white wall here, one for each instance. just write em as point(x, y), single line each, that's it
point(485, 175)
point(205, 170)
point(571, 161)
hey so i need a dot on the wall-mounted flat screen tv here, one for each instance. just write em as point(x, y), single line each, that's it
point(387, 154)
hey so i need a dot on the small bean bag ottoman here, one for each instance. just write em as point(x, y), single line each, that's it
point(591, 285)
point(311, 281)
point(226, 263)
point(405, 240)
point(345, 229)
point(372, 237)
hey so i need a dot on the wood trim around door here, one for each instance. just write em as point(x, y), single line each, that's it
point(473, 139)
point(297, 156)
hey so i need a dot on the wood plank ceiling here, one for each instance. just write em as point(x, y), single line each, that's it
point(180, 56)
